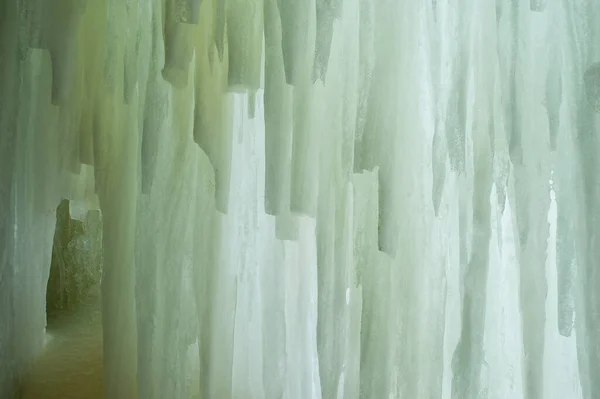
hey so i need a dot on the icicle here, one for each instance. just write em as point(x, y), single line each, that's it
point(295, 24)
point(278, 115)
point(366, 60)
point(36, 28)
point(278, 129)
point(304, 147)
point(512, 102)
point(212, 107)
point(245, 43)
point(178, 46)
point(91, 45)
point(220, 21)
point(62, 22)
point(327, 10)
point(348, 83)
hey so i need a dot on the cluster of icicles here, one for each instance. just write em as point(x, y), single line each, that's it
point(310, 198)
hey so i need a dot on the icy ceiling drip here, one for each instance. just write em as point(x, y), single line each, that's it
point(300, 198)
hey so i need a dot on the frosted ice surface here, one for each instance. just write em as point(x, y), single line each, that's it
point(294, 199)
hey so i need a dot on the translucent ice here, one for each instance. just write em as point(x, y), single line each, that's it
point(288, 199)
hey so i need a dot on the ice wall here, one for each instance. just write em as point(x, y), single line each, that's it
point(307, 198)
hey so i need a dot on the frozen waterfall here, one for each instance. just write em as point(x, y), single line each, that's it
point(296, 199)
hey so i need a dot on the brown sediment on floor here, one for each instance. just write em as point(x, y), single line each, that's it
point(71, 364)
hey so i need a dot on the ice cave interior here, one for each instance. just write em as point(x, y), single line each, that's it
point(296, 199)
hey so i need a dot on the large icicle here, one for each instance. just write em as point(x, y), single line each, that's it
point(278, 117)
point(245, 43)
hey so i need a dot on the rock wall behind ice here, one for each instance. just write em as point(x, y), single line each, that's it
point(327, 198)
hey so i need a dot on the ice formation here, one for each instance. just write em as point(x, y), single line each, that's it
point(300, 198)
